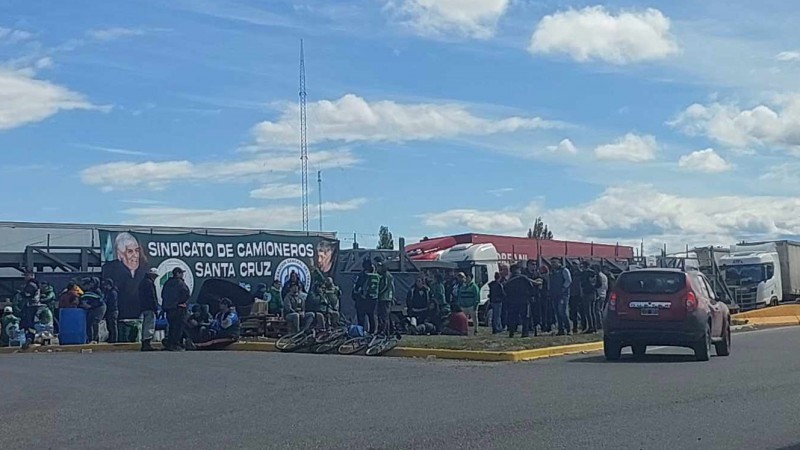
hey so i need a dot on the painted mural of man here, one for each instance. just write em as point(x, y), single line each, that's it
point(127, 271)
point(325, 254)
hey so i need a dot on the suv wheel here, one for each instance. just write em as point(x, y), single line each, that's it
point(702, 350)
point(639, 350)
point(724, 348)
point(611, 349)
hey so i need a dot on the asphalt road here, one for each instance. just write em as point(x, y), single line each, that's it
point(750, 400)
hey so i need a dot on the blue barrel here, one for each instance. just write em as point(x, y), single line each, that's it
point(72, 326)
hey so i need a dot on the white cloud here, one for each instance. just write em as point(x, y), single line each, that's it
point(593, 33)
point(352, 118)
point(707, 161)
point(460, 18)
point(246, 217)
point(631, 148)
point(776, 124)
point(788, 56)
point(11, 36)
point(565, 147)
point(501, 191)
point(25, 99)
point(629, 213)
point(158, 175)
point(110, 34)
point(277, 191)
point(473, 219)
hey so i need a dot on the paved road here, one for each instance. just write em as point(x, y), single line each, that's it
point(263, 400)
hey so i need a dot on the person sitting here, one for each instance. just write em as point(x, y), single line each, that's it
point(193, 327)
point(418, 301)
point(458, 325)
point(11, 332)
point(43, 328)
point(224, 330)
point(316, 304)
point(294, 311)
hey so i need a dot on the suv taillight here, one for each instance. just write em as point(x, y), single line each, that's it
point(691, 302)
point(612, 301)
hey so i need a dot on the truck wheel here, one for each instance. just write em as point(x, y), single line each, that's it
point(724, 348)
point(775, 302)
point(702, 350)
point(611, 349)
point(639, 351)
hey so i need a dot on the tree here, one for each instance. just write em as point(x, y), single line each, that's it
point(385, 239)
point(539, 231)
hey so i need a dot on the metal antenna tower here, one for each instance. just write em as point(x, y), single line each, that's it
point(303, 138)
point(319, 191)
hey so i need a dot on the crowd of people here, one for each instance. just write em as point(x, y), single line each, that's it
point(526, 298)
point(538, 300)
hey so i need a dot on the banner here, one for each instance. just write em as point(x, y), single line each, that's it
point(243, 259)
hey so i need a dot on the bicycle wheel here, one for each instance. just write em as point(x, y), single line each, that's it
point(354, 345)
point(331, 335)
point(296, 342)
point(329, 346)
point(382, 347)
point(289, 339)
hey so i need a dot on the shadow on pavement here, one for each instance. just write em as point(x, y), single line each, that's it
point(629, 359)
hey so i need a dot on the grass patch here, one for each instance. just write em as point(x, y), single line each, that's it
point(486, 341)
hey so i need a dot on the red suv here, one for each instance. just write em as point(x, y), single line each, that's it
point(665, 307)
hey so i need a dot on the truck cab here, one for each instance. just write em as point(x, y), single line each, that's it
point(754, 277)
point(479, 259)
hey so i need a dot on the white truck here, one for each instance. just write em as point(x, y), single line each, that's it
point(763, 273)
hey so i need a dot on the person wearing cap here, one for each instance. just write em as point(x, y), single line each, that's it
point(148, 304)
point(175, 298)
point(11, 328)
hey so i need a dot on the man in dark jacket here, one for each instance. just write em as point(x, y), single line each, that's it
point(497, 295)
point(175, 298)
point(588, 283)
point(110, 297)
point(519, 291)
point(560, 283)
point(148, 305)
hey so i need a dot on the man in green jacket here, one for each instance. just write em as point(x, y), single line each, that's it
point(468, 297)
point(385, 298)
point(274, 298)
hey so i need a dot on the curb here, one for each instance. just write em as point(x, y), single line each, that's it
point(515, 356)
point(780, 321)
point(401, 352)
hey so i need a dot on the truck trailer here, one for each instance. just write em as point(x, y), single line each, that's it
point(763, 273)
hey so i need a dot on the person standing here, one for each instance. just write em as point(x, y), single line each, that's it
point(560, 283)
point(547, 306)
point(111, 299)
point(438, 293)
point(385, 298)
point(575, 300)
point(497, 295)
point(95, 309)
point(588, 282)
point(148, 305)
point(468, 297)
point(519, 291)
point(333, 298)
point(175, 297)
point(600, 297)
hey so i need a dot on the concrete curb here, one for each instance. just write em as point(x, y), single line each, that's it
point(401, 352)
point(781, 321)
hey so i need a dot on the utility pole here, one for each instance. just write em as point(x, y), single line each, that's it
point(319, 191)
point(303, 137)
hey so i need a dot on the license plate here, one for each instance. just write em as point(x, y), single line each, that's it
point(649, 311)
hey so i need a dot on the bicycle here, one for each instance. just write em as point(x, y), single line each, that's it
point(382, 344)
point(296, 341)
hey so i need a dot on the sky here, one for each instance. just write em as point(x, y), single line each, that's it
point(671, 123)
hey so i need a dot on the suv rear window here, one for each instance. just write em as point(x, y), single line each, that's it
point(652, 282)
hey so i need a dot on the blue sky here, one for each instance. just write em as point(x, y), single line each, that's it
point(622, 121)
